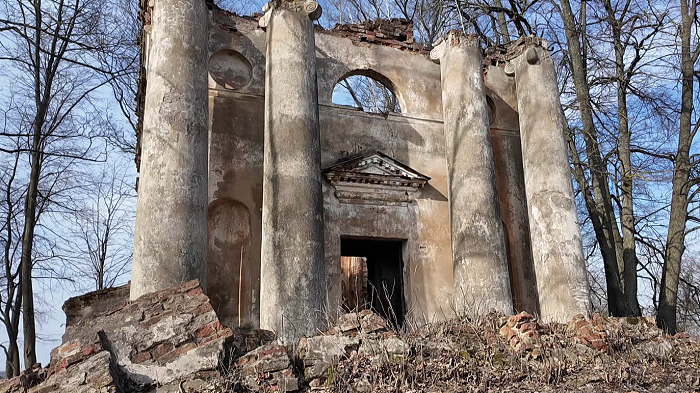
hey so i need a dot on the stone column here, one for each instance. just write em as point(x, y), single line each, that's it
point(481, 281)
point(170, 239)
point(293, 271)
point(557, 247)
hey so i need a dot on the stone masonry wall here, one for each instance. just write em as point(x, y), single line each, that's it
point(161, 338)
point(90, 304)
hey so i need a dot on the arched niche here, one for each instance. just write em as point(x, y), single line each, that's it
point(369, 91)
point(228, 260)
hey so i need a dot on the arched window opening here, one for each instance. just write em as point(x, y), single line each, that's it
point(367, 91)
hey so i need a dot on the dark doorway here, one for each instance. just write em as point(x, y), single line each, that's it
point(384, 275)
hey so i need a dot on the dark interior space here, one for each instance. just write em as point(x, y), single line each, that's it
point(384, 275)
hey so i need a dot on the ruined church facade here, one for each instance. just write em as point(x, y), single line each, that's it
point(253, 181)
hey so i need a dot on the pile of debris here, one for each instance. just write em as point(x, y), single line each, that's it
point(172, 341)
point(495, 353)
point(161, 340)
point(395, 33)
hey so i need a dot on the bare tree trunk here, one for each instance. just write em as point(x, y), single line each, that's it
point(41, 93)
point(675, 242)
point(13, 302)
point(52, 46)
point(628, 267)
point(12, 313)
point(502, 24)
point(27, 245)
point(599, 204)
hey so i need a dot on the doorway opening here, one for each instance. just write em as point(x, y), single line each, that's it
point(372, 272)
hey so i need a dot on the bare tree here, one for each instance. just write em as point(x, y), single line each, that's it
point(10, 294)
point(367, 94)
point(57, 51)
point(102, 230)
point(682, 181)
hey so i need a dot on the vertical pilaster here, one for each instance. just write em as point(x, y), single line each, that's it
point(481, 281)
point(557, 247)
point(170, 239)
point(293, 273)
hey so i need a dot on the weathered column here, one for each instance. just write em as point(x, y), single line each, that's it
point(293, 272)
point(481, 281)
point(557, 248)
point(170, 239)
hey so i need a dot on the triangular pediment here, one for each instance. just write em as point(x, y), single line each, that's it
point(376, 164)
point(374, 179)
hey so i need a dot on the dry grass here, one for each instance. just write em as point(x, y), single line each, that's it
point(469, 355)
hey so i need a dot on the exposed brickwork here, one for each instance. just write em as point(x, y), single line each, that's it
point(162, 337)
point(359, 352)
point(94, 303)
point(268, 368)
point(77, 369)
point(495, 55)
point(590, 332)
point(395, 33)
point(523, 334)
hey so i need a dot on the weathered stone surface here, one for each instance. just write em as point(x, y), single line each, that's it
point(481, 280)
point(384, 350)
point(364, 334)
point(283, 178)
point(170, 237)
point(415, 138)
point(88, 376)
point(159, 338)
point(168, 341)
point(267, 367)
point(349, 322)
point(371, 322)
point(319, 353)
point(89, 305)
point(293, 271)
point(86, 372)
point(555, 234)
point(508, 160)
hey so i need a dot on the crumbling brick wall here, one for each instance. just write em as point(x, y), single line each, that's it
point(395, 33)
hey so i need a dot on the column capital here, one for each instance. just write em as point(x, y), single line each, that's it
point(523, 44)
point(309, 7)
point(451, 39)
point(531, 50)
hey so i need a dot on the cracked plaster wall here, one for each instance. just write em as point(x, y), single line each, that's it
point(414, 137)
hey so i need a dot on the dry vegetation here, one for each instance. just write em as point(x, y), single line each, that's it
point(476, 355)
point(471, 356)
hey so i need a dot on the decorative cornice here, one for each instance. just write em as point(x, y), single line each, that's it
point(310, 7)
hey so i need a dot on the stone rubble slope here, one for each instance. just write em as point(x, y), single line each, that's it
point(172, 341)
